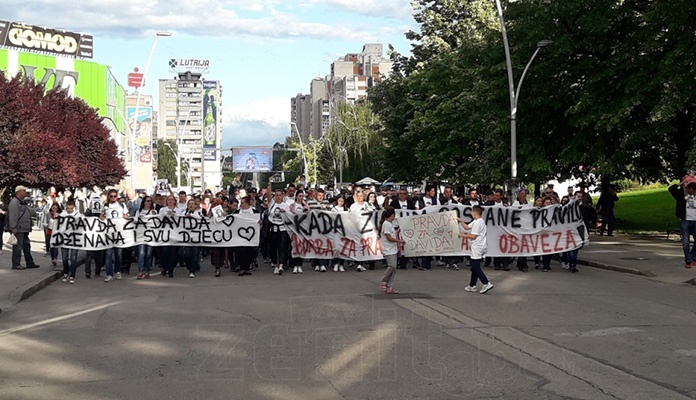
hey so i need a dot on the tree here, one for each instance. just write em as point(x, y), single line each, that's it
point(50, 139)
point(167, 151)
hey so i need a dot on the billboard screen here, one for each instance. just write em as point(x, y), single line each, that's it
point(252, 159)
point(45, 40)
point(142, 128)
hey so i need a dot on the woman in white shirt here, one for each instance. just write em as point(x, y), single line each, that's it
point(340, 207)
point(169, 253)
point(147, 209)
point(361, 206)
point(278, 238)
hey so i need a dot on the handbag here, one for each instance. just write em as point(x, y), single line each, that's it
point(12, 241)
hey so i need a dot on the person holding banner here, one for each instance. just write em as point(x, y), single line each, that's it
point(69, 255)
point(113, 210)
point(169, 253)
point(390, 249)
point(217, 254)
point(299, 207)
point(192, 254)
point(360, 206)
point(145, 252)
point(278, 238)
point(479, 249)
point(246, 254)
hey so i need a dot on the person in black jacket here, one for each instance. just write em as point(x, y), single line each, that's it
point(686, 212)
point(605, 206)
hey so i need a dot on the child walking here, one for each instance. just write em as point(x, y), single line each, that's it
point(390, 248)
point(478, 250)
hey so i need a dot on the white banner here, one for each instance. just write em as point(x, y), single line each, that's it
point(511, 232)
point(91, 233)
point(435, 233)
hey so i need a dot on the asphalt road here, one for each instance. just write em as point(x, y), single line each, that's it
point(592, 335)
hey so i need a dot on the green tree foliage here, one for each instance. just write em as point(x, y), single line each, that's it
point(166, 162)
point(613, 96)
point(48, 138)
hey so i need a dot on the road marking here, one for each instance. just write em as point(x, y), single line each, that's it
point(602, 332)
point(569, 373)
point(55, 319)
point(687, 352)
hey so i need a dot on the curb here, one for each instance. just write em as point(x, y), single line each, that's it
point(42, 283)
point(30, 289)
point(617, 268)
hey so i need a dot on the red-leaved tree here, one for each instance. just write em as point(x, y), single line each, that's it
point(49, 139)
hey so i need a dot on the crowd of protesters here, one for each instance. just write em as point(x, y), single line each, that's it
point(269, 204)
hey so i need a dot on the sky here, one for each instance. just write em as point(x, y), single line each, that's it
point(262, 51)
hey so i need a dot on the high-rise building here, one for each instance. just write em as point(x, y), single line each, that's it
point(350, 78)
point(190, 112)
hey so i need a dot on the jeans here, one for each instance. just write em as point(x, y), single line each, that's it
point(390, 273)
point(145, 258)
point(23, 246)
point(477, 273)
point(570, 257)
point(688, 230)
point(113, 260)
point(192, 258)
point(69, 261)
point(169, 258)
point(99, 258)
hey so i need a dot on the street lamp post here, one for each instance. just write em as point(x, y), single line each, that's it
point(137, 106)
point(304, 157)
point(514, 93)
point(341, 148)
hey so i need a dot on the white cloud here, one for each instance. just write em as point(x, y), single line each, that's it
point(252, 133)
point(398, 9)
point(274, 111)
point(134, 18)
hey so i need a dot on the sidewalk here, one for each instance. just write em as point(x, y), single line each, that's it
point(654, 257)
point(17, 285)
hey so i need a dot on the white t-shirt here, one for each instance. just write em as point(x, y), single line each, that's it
point(170, 212)
point(478, 245)
point(357, 207)
point(74, 214)
point(146, 213)
point(274, 214)
point(690, 207)
point(115, 210)
point(388, 247)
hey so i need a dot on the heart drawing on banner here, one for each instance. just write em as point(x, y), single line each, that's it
point(246, 233)
point(440, 231)
point(408, 233)
point(228, 221)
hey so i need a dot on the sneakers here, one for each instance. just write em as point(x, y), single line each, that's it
point(71, 280)
point(316, 268)
point(297, 270)
point(471, 289)
point(118, 276)
point(335, 268)
point(192, 275)
point(278, 270)
point(323, 268)
point(109, 278)
point(688, 265)
point(565, 265)
point(488, 286)
point(65, 278)
point(341, 269)
point(141, 275)
point(360, 268)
